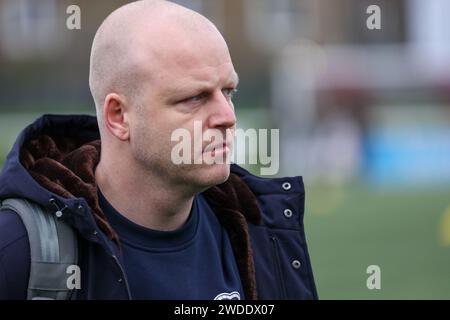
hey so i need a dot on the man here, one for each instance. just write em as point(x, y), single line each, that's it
point(148, 228)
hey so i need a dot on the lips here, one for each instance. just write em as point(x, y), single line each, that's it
point(218, 148)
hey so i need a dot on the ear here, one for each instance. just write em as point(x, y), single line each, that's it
point(115, 116)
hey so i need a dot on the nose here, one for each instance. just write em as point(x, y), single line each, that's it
point(222, 114)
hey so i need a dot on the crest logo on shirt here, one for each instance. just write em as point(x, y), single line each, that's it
point(228, 296)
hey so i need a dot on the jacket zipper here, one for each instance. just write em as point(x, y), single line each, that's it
point(124, 277)
point(277, 259)
point(113, 255)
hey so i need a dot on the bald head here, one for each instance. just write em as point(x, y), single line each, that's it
point(132, 43)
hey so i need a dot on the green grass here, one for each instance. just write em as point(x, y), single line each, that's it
point(351, 228)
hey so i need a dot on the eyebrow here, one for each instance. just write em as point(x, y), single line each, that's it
point(234, 78)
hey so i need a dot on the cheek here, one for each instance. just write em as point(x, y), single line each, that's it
point(166, 125)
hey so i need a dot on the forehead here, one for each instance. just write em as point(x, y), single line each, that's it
point(191, 66)
point(174, 58)
point(201, 79)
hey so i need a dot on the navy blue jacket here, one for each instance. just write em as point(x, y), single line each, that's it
point(55, 158)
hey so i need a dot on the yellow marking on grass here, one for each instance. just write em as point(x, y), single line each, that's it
point(325, 200)
point(445, 228)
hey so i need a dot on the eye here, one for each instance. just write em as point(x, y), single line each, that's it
point(229, 92)
point(196, 98)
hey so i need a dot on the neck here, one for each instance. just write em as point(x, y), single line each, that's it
point(143, 197)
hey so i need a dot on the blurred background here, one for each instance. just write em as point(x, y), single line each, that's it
point(364, 117)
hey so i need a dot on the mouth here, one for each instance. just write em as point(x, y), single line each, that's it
point(218, 149)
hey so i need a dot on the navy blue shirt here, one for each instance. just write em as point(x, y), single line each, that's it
point(194, 262)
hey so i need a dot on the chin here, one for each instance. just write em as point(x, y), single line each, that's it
point(213, 175)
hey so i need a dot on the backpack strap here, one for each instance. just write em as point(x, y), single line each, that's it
point(53, 248)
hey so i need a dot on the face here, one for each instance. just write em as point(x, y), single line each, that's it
point(190, 88)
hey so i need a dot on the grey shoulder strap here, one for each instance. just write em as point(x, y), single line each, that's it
point(53, 249)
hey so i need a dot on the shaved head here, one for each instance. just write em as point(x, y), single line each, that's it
point(132, 44)
point(157, 67)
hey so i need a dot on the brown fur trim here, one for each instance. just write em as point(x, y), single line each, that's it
point(67, 173)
